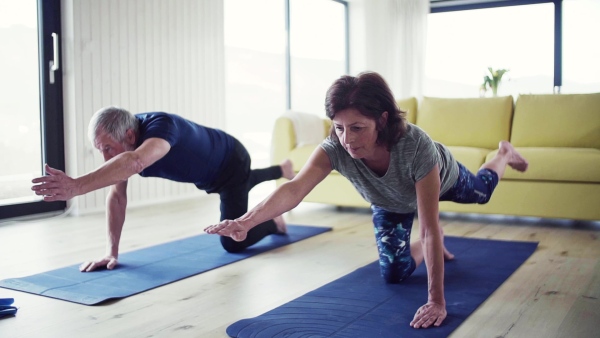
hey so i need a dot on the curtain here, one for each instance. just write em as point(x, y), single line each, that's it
point(395, 42)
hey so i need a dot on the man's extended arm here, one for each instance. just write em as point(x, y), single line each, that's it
point(57, 186)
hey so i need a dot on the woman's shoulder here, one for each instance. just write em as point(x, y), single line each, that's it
point(413, 134)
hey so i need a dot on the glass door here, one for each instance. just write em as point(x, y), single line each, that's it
point(31, 131)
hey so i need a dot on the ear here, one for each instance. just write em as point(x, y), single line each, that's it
point(130, 137)
point(383, 119)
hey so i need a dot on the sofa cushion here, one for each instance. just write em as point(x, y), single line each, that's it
point(410, 107)
point(557, 164)
point(476, 122)
point(564, 120)
point(472, 158)
point(299, 155)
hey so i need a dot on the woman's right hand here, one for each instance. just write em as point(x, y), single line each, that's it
point(229, 228)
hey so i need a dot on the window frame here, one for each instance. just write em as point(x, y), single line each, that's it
point(441, 6)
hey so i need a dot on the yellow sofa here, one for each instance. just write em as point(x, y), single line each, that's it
point(558, 134)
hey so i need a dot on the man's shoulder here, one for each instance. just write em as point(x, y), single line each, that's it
point(147, 116)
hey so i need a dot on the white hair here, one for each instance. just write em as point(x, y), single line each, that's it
point(114, 121)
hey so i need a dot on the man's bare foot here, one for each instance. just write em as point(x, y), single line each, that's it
point(448, 256)
point(287, 169)
point(280, 223)
point(515, 160)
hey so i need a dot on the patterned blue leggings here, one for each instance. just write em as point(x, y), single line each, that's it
point(392, 230)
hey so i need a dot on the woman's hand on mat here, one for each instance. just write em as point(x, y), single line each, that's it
point(229, 228)
point(429, 314)
point(108, 262)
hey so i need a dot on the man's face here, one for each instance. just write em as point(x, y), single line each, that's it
point(108, 147)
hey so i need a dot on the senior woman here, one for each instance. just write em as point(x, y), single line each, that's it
point(396, 167)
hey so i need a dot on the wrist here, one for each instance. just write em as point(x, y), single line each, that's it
point(437, 300)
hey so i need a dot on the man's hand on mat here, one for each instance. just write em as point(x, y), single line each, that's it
point(428, 314)
point(109, 262)
point(230, 228)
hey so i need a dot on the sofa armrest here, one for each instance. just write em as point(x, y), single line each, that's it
point(283, 140)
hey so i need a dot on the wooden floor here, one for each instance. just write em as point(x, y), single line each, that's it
point(556, 293)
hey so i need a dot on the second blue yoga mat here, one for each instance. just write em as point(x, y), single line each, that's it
point(148, 268)
point(361, 305)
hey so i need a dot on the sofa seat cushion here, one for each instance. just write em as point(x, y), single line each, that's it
point(557, 164)
point(300, 155)
point(472, 158)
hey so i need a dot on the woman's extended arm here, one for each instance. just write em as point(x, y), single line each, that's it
point(428, 192)
point(283, 199)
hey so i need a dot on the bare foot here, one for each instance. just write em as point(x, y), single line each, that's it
point(448, 256)
point(280, 223)
point(287, 169)
point(515, 160)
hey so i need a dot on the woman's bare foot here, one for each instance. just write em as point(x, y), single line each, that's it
point(515, 160)
point(280, 223)
point(287, 169)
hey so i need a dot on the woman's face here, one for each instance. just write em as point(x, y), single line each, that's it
point(356, 132)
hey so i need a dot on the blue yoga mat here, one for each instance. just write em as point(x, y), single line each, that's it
point(148, 268)
point(361, 305)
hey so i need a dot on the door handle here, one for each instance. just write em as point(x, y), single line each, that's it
point(54, 65)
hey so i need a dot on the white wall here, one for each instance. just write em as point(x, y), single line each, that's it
point(142, 55)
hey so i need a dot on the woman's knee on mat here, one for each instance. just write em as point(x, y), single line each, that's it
point(396, 273)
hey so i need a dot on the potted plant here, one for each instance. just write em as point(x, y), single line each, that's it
point(492, 81)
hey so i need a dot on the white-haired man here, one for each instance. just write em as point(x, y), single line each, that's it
point(159, 144)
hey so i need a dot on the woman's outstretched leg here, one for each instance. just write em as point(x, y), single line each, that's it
point(507, 155)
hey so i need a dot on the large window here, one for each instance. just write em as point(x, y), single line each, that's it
point(462, 45)
point(581, 70)
point(317, 52)
point(31, 132)
point(270, 69)
point(545, 45)
point(255, 85)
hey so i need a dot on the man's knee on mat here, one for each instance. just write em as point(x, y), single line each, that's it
point(232, 246)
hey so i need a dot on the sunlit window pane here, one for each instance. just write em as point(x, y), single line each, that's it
point(318, 51)
point(255, 72)
point(581, 52)
point(461, 46)
point(20, 145)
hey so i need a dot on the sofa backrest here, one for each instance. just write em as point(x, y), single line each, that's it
point(409, 106)
point(469, 122)
point(561, 120)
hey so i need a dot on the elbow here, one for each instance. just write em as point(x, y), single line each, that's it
point(134, 164)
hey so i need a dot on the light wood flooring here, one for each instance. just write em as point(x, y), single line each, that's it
point(556, 293)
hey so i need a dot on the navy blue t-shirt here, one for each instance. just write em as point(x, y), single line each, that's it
point(197, 153)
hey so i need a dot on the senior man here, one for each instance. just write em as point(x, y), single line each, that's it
point(159, 144)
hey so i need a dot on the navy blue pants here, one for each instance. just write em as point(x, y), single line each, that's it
point(392, 230)
point(233, 185)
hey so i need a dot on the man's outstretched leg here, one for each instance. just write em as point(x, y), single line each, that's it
point(257, 176)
